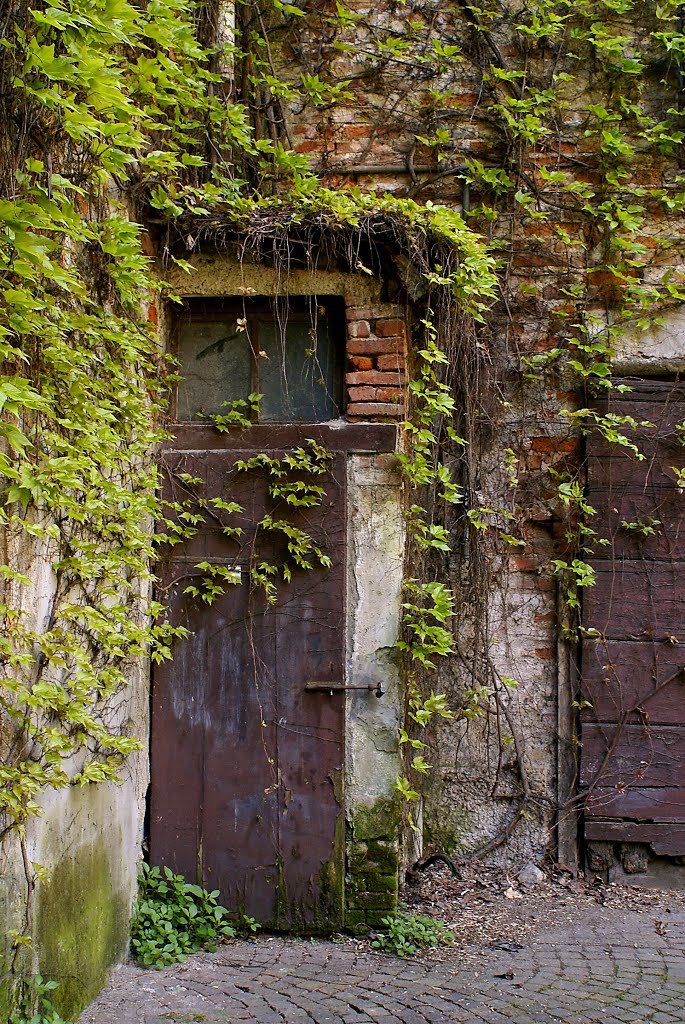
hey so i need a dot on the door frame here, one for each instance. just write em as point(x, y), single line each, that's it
point(376, 545)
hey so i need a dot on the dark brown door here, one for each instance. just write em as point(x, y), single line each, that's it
point(633, 735)
point(247, 764)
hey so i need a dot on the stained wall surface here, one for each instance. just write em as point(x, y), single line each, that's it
point(69, 882)
point(418, 122)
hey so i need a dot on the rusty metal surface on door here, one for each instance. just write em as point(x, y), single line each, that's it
point(247, 765)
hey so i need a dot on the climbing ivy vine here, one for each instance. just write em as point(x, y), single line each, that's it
point(118, 113)
point(112, 112)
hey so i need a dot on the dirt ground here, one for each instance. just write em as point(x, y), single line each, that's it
point(490, 909)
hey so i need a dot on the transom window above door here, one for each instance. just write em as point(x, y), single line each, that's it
point(290, 354)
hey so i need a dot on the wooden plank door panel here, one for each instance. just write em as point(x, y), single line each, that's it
point(633, 732)
point(659, 762)
point(637, 600)
point(634, 682)
point(240, 770)
point(640, 522)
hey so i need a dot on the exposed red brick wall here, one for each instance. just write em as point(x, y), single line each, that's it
point(376, 361)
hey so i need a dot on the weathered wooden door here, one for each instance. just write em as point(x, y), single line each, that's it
point(633, 735)
point(247, 763)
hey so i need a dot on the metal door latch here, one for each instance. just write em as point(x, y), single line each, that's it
point(331, 688)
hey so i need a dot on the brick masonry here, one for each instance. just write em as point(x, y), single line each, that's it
point(371, 887)
point(376, 362)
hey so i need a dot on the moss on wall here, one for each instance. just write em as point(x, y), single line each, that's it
point(446, 832)
point(82, 925)
point(14, 963)
point(7, 995)
point(373, 863)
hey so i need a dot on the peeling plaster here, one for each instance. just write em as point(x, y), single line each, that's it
point(375, 571)
point(660, 350)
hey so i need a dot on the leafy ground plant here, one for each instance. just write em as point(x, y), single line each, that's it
point(174, 918)
point(405, 934)
point(36, 1006)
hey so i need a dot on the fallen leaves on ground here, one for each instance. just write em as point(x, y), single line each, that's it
point(488, 908)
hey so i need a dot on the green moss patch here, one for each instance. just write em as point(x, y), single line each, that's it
point(445, 830)
point(373, 864)
point(82, 926)
point(182, 1018)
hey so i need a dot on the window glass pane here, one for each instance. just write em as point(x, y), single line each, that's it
point(297, 371)
point(216, 365)
point(294, 364)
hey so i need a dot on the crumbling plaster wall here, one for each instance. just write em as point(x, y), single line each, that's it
point(474, 790)
point(375, 139)
point(504, 748)
point(70, 882)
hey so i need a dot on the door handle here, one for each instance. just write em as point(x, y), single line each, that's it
point(332, 688)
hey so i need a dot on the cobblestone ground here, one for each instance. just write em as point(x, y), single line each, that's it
point(609, 966)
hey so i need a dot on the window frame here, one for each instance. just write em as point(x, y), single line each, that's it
point(256, 308)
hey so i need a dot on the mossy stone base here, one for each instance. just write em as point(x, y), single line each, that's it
point(372, 865)
point(82, 926)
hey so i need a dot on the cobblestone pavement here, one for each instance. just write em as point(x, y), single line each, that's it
point(611, 966)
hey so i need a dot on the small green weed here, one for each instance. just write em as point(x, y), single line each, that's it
point(174, 918)
point(183, 1018)
point(404, 934)
point(247, 926)
point(36, 1006)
